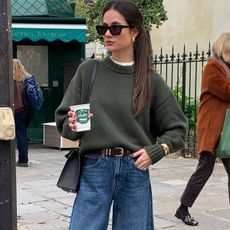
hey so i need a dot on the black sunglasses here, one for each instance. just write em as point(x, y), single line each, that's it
point(113, 29)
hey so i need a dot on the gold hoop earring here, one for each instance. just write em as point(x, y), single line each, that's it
point(133, 39)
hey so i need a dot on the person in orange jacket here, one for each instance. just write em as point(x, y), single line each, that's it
point(214, 101)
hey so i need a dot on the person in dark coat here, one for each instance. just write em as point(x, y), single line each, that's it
point(23, 112)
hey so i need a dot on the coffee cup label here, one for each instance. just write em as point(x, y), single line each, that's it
point(83, 121)
point(82, 116)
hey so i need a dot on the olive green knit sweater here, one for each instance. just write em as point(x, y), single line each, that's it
point(113, 123)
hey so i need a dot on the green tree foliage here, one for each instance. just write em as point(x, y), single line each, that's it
point(191, 106)
point(80, 8)
point(152, 10)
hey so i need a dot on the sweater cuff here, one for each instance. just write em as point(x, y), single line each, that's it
point(156, 152)
point(68, 133)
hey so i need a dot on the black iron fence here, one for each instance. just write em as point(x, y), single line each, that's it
point(182, 72)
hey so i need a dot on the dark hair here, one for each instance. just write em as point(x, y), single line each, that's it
point(142, 52)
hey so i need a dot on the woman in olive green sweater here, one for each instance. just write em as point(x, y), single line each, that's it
point(136, 122)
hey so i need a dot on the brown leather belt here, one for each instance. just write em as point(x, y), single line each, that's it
point(117, 151)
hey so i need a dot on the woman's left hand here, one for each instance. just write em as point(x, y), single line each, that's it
point(143, 159)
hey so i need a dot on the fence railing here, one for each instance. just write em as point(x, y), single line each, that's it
point(182, 72)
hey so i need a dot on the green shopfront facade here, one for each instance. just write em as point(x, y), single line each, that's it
point(51, 48)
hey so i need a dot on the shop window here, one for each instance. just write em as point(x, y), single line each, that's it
point(35, 60)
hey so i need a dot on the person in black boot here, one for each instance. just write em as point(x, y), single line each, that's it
point(214, 101)
point(183, 214)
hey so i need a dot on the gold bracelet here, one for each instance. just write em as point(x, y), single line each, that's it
point(166, 149)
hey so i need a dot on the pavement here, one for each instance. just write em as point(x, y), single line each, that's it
point(43, 206)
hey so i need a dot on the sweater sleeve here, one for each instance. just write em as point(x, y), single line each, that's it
point(76, 94)
point(172, 126)
point(168, 122)
point(156, 152)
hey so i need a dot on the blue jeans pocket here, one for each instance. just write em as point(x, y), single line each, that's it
point(133, 161)
point(91, 161)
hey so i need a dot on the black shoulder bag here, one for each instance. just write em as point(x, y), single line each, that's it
point(71, 172)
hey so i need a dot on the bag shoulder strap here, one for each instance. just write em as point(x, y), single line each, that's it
point(92, 81)
point(90, 87)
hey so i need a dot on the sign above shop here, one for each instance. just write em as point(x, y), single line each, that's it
point(48, 32)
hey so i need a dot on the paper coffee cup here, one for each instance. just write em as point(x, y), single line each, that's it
point(82, 113)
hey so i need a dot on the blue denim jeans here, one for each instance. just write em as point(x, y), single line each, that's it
point(22, 120)
point(112, 181)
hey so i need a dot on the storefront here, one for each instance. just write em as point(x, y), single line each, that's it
point(51, 48)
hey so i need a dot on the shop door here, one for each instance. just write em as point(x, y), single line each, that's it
point(35, 61)
point(69, 71)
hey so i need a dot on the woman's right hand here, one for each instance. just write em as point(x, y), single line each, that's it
point(72, 120)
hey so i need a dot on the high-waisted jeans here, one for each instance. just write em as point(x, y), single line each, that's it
point(112, 181)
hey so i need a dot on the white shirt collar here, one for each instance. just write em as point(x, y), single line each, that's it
point(123, 63)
